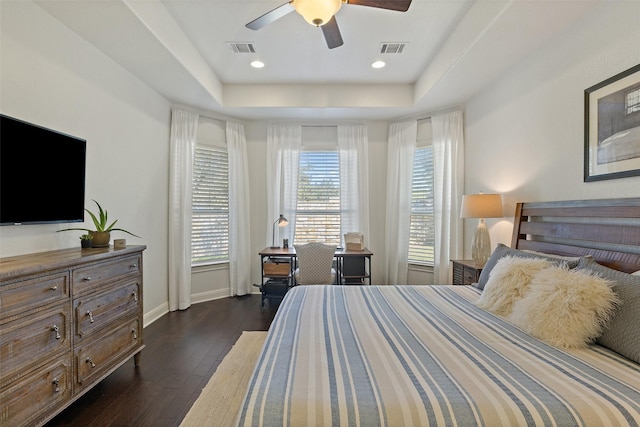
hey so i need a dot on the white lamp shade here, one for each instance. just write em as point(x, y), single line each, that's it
point(481, 206)
point(317, 12)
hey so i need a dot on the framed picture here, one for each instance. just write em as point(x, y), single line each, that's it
point(612, 127)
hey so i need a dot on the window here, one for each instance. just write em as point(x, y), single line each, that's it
point(633, 101)
point(318, 203)
point(422, 223)
point(210, 203)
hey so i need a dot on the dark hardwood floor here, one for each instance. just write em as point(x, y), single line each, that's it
point(183, 349)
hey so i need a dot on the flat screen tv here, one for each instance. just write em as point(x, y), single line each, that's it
point(42, 174)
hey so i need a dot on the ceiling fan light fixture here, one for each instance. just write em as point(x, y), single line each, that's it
point(317, 12)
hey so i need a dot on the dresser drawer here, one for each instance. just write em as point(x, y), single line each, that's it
point(29, 294)
point(97, 357)
point(94, 312)
point(36, 395)
point(31, 340)
point(469, 276)
point(88, 278)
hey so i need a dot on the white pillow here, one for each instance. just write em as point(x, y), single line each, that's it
point(566, 308)
point(636, 273)
point(508, 281)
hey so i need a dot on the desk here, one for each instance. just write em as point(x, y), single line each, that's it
point(352, 267)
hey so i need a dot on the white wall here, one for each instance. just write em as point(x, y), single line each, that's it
point(51, 77)
point(524, 135)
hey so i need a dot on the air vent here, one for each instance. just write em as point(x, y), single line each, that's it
point(241, 47)
point(392, 47)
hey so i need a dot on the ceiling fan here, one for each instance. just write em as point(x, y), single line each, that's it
point(321, 13)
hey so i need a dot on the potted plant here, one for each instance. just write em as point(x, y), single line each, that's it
point(85, 240)
point(101, 236)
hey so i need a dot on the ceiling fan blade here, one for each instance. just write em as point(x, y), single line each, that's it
point(271, 16)
point(399, 5)
point(332, 33)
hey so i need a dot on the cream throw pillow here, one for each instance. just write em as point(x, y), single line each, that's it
point(508, 281)
point(566, 308)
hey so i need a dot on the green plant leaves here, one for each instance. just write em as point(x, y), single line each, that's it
point(100, 221)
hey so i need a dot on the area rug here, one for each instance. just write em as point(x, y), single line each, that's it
point(220, 400)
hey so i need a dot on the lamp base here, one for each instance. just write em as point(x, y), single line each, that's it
point(481, 245)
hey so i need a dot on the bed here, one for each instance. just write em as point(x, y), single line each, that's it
point(431, 355)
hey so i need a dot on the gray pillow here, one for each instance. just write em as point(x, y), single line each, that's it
point(503, 251)
point(621, 333)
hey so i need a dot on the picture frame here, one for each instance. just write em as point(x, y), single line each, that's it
point(612, 127)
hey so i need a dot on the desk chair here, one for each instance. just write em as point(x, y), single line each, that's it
point(315, 264)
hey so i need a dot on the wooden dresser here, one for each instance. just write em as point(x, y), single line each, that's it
point(68, 319)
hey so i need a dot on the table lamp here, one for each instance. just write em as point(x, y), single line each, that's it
point(281, 222)
point(481, 206)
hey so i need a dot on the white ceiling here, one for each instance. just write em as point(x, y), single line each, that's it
point(454, 49)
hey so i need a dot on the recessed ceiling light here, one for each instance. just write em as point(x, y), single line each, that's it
point(257, 64)
point(378, 64)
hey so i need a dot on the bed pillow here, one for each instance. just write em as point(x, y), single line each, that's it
point(622, 333)
point(508, 282)
point(566, 308)
point(501, 251)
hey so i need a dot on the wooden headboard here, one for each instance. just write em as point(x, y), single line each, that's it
point(607, 229)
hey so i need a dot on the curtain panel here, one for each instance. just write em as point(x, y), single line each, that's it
point(184, 129)
point(401, 149)
point(283, 153)
point(239, 211)
point(448, 158)
point(353, 146)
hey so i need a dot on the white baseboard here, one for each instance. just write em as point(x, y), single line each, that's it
point(209, 296)
point(155, 314)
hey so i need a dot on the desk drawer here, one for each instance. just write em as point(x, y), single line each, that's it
point(276, 268)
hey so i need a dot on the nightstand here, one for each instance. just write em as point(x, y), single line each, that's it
point(465, 272)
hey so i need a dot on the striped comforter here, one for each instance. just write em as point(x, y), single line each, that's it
point(425, 356)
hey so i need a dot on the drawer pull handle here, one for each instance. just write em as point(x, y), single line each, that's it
point(134, 265)
point(86, 279)
point(56, 388)
point(54, 288)
point(134, 334)
point(55, 329)
point(90, 362)
point(135, 296)
point(90, 314)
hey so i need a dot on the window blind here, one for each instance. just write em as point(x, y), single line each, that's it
point(422, 225)
point(210, 206)
point(318, 200)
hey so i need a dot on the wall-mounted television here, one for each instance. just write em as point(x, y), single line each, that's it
point(42, 174)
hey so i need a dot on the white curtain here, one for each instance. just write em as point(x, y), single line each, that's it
point(283, 153)
point(354, 180)
point(239, 209)
point(448, 182)
point(402, 145)
point(184, 128)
